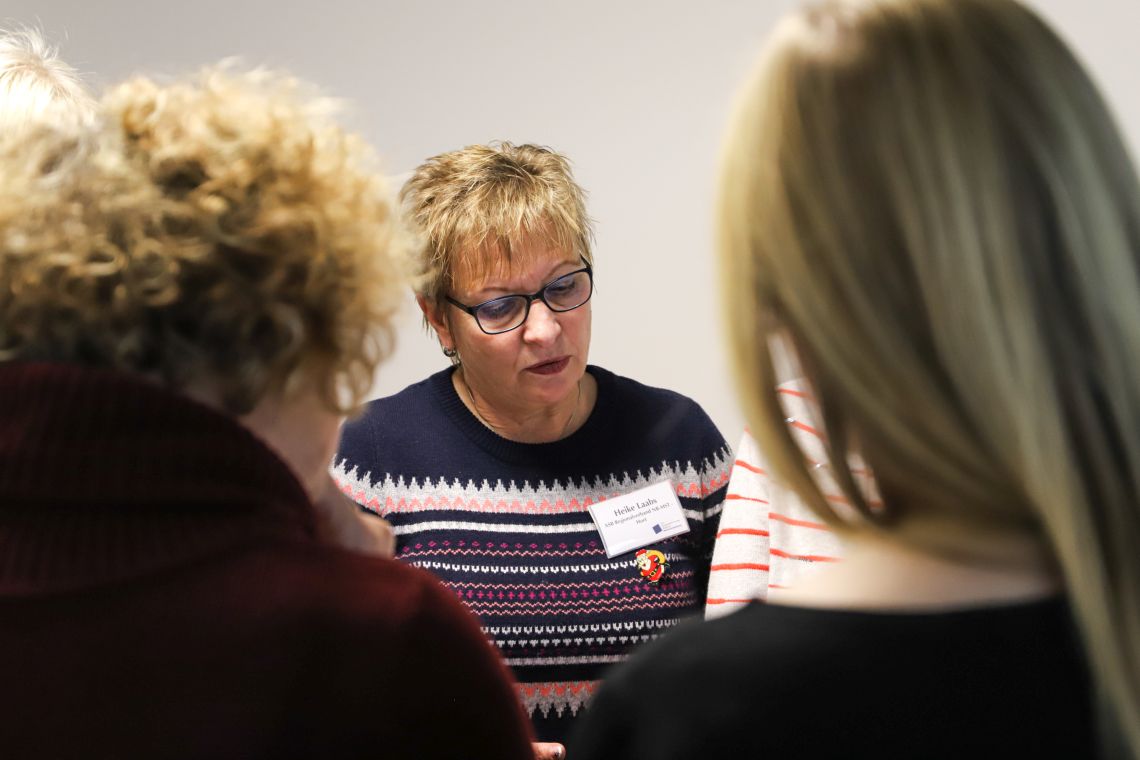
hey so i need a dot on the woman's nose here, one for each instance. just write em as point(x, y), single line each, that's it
point(542, 325)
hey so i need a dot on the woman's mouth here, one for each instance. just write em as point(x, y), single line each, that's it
point(552, 367)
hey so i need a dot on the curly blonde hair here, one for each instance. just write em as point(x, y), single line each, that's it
point(36, 85)
point(220, 232)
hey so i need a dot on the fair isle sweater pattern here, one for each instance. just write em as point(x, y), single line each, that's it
point(505, 526)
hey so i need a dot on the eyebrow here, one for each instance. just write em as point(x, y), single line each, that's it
point(487, 293)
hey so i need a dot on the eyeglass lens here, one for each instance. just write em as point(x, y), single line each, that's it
point(506, 313)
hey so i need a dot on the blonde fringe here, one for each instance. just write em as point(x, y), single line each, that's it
point(481, 209)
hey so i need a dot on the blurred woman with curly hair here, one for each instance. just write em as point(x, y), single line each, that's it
point(194, 290)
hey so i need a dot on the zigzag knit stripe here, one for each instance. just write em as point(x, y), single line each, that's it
point(435, 550)
point(395, 497)
point(457, 525)
point(676, 601)
point(581, 641)
point(552, 588)
point(524, 528)
point(556, 696)
point(586, 660)
point(539, 630)
point(621, 566)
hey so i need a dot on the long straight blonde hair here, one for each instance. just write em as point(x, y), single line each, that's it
point(931, 200)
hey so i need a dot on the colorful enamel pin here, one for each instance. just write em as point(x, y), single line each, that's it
point(651, 563)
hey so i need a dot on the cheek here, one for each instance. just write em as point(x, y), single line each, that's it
point(581, 325)
point(469, 339)
point(488, 354)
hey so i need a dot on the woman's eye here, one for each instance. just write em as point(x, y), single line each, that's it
point(497, 310)
point(566, 291)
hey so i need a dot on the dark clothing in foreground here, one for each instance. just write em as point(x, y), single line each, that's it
point(785, 682)
point(163, 594)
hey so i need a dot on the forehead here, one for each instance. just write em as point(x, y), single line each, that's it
point(509, 264)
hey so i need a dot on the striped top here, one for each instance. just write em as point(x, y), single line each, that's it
point(768, 538)
point(505, 525)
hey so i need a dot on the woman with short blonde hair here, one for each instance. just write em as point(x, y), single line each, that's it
point(488, 469)
point(481, 196)
point(928, 200)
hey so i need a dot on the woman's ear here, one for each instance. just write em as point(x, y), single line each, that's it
point(433, 313)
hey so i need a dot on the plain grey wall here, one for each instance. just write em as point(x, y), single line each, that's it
point(636, 92)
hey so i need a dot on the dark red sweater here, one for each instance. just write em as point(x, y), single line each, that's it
point(162, 594)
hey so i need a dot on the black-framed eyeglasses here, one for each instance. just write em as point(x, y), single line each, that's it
point(506, 313)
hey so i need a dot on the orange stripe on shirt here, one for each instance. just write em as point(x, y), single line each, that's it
point(807, 428)
point(748, 466)
point(804, 557)
point(741, 497)
point(740, 566)
point(742, 532)
point(790, 392)
point(798, 523)
point(729, 601)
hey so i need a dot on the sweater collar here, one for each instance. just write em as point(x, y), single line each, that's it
point(95, 463)
point(595, 428)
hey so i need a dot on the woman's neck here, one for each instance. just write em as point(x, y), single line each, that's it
point(299, 428)
point(529, 425)
point(883, 574)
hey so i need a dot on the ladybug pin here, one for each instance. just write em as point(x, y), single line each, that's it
point(651, 563)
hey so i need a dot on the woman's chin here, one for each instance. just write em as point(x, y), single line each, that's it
point(545, 390)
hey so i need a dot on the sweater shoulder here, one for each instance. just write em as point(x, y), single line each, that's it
point(400, 411)
point(390, 427)
point(661, 415)
point(644, 399)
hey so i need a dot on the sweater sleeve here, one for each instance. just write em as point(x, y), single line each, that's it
point(713, 478)
point(353, 465)
point(740, 562)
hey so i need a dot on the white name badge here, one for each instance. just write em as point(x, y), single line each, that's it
point(639, 518)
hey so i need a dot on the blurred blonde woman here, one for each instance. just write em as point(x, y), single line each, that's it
point(195, 287)
point(928, 199)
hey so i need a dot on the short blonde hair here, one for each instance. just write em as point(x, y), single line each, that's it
point(35, 84)
point(930, 198)
point(219, 231)
point(483, 198)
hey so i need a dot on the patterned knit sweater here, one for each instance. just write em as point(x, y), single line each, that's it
point(505, 525)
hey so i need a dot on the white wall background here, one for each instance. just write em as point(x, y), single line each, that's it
point(636, 92)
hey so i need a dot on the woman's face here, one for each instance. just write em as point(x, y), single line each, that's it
point(532, 367)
